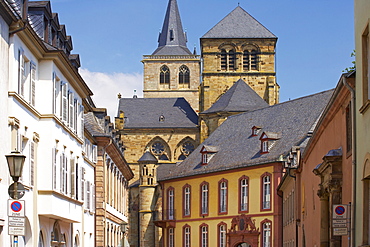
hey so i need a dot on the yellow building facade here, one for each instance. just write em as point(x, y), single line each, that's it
point(194, 225)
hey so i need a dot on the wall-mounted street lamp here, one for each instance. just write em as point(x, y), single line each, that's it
point(15, 163)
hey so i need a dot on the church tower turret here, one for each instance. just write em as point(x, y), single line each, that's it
point(172, 70)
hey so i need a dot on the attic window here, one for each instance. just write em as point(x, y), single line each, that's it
point(267, 140)
point(171, 35)
point(207, 153)
point(255, 130)
point(161, 118)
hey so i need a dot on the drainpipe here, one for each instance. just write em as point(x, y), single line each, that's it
point(353, 199)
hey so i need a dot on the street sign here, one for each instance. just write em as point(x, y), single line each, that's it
point(20, 190)
point(16, 208)
point(339, 223)
point(16, 221)
point(340, 231)
point(339, 211)
point(17, 231)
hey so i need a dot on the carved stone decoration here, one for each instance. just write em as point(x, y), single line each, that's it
point(243, 230)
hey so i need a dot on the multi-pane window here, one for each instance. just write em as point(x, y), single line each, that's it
point(164, 77)
point(204, 236)
point(187, 195)
point(265, 146)
point(64, 101)
point(184, 77)
point(186, 236)
point(171, 203)
point(33, 84)
point(32, 162)
point(63, 173)
point(204, 198)
point(244, 192)
point(22, 71)
point(266, 192)
point(349, 127)
point(171, 237)
point(250, 60)
point(266, 234)
point(222, 235)
point(228, 59)
point(223, 196)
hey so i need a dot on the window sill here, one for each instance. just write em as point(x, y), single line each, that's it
point(365, 107)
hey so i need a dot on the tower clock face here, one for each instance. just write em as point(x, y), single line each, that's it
point(157, 148)
point(187, 148)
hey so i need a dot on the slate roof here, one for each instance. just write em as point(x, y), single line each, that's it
point(148, 158)
point(237, 148)
point(239, 98)
point(172, 40)
point(239, 24)
point(93, 126)
point(146, 113)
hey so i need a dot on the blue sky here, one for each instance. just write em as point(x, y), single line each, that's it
point(315, 39)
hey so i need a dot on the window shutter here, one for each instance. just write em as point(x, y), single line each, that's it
point(54, 162)
point(82, 183)
point(32, 163)
point(95, 153)
point(82, 121)
point(88, 196)
point(62, 172)
point(21, 76)
point(93, 198)
point(70, 111)
point(33, 84)
point(64, 101)
point(73, 187)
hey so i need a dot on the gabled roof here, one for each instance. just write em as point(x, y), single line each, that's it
point(239, 98)
point(239, 24)
point(148, 112)
point(238, 149)
point(172, 40)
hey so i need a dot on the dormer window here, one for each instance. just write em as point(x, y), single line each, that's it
point(255, 130)
point(207, 153)
point(265, 146)
point(267, 140)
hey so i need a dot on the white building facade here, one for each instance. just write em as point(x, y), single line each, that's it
point(43, 99)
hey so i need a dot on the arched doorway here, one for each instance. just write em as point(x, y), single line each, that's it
point(242, 245)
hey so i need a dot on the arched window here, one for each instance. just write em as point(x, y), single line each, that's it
point(187, 235)
point(186, 200)
point(250, 58)
point(187, 147)
point(204, 235)
point(222, 185)
point(184, 77)
point(228, 59)
point(222, 234)
point(266, 191)
point(159, 149)
point(171, 203)
point(266, 233)
point(243, 193)
point(204, 190)
point(164, 77)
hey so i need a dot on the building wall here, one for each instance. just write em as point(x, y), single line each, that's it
point(362, 122)
point(152, 89)
point(329, 135)
point(195, 220)
point(5, 179)
point(216, 81)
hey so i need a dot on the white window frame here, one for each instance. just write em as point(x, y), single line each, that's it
point(244, 191)
point(187, 201)
point(187, 235)
point(204, 236)
point(266, 234)
point(171, 237)
point(223, 197)
point(171, 202)
point(266, 192)
point(222, 237)
point(204, 199)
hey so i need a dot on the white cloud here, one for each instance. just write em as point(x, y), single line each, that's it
point(106, 87)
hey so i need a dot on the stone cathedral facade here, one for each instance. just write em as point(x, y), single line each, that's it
point(165, 126)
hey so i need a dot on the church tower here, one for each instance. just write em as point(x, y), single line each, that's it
point(172, 70)
point(238, 47)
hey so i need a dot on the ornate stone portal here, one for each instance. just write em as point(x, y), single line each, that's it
point(330, 193)
point(243, 232)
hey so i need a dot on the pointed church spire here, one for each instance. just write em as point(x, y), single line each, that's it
point(172, 40)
